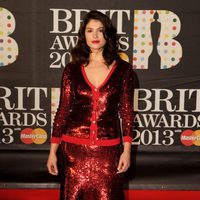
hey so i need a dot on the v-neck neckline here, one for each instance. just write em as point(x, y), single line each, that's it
point(105, 80)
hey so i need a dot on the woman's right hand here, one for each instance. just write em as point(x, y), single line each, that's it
point(52, 164)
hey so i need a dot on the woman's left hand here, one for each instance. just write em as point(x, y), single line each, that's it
point(124, 162)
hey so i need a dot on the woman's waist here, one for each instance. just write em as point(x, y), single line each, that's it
point(86, 132)
point(101, 125)
point(92, 139)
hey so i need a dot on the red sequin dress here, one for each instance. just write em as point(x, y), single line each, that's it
point(88, 127)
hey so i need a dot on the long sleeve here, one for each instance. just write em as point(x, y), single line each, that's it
point(64, 108)
point(126, 105)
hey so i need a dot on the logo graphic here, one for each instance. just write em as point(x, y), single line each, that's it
point(37, 136)
point(8, 46)
point(190, 137)
point(153, 38)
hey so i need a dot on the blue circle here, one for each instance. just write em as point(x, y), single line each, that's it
point(134, 51)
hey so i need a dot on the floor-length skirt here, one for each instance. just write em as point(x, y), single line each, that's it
point(90, 172)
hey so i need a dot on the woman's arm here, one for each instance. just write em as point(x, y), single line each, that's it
point(66, 100)
point(127, 116)
point(60, 120)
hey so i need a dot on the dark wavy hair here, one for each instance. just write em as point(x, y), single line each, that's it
point(80, 53)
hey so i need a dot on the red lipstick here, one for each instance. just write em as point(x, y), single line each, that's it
point(95, 41)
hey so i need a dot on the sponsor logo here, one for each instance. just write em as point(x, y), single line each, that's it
point(37, 136)
point(190, 137)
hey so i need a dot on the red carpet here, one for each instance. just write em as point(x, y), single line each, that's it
point(53, 194)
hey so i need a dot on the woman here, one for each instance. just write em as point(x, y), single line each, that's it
point(97, 90)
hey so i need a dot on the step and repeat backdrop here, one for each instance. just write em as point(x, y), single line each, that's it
point(161, 39)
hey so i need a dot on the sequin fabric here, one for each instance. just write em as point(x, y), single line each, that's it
point(89, 173)
point(90, 115)
point(88, 128)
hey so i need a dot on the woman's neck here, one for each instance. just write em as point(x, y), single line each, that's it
point(96, 56)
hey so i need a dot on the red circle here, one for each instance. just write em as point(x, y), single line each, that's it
point(174, 27)
point(187, 137)
point(134, 58)
point(166, 43)
point(151, 11)
point(26, 136)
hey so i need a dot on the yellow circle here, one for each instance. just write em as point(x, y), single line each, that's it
point(40, 136)
point(151, 20)
point(124, 56)
point(173, 51)
point(197, 137)
point(166, 36)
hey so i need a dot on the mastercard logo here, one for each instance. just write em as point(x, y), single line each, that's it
point(190, 137)
point(124, 56)
point(36, 136)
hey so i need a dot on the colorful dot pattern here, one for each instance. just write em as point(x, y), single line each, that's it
point(170, 50)
point(55, 96)
point(8, 47)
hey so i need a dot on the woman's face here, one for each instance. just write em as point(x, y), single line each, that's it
point(94, 35)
